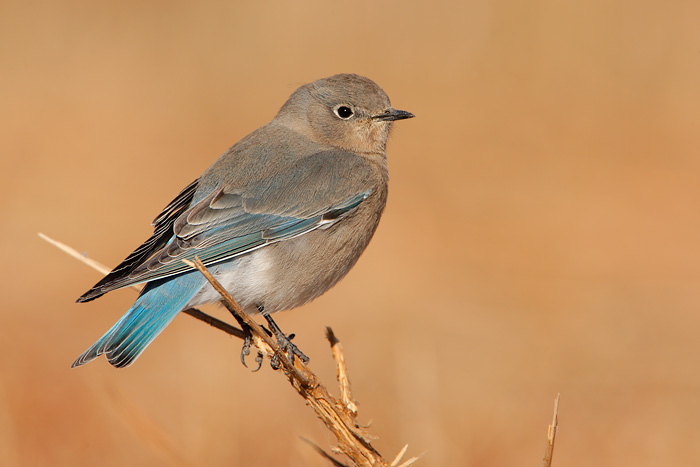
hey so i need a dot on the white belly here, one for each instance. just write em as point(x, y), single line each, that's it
point(246, 278)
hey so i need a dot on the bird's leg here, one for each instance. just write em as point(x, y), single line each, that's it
point(285, 342)
point(247, 339)
point(245, 351)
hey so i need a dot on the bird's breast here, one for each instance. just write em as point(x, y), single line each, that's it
point(307, 266)
point(289, 273)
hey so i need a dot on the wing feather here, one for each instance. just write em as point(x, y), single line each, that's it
point(232, 220)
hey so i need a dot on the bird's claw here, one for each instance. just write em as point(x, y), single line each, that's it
point(284, 342)
point(245, 351)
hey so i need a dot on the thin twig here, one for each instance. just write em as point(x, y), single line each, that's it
point(99, 267)
point(339, 416)
point(552, 434)
point(410, 461)
point(398, 457)
point(323, 453)
point(214, 322)
point(333, 412)
point(343, 381)
point(243, 317)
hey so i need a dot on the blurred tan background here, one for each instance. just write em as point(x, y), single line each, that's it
point(541, 236)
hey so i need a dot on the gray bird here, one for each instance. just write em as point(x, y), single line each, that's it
point(278, 219)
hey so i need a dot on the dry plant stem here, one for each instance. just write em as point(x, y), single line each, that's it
point(401, 453)
point(408, 463)
point(323, 453)
point(343, 381)
point(217, 323)
point(99, 267)
point(243, 317)
point(338, 416)
point(334, 413)
point(552, 434)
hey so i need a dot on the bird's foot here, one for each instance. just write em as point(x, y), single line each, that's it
point(245, 351)
point(285, 342)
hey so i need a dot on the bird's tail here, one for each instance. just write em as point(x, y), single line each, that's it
point(155, 308)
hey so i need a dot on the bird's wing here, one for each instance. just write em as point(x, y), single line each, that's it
point(234, 219)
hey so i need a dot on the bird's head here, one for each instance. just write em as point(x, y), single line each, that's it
point(346, 111)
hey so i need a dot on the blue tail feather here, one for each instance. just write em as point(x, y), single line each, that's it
point(155, 308)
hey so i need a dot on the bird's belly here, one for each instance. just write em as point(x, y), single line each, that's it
point(246, 278)
point(288, 274)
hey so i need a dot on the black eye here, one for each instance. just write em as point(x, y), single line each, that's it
point(343, 112)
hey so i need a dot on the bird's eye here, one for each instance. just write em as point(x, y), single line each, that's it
point(343, 111)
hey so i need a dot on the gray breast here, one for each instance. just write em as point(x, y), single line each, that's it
point(289, 273)
point(307, 266)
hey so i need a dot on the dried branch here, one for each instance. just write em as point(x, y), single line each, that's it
point(411, 461)
point(335, 414)
point(343, 381)
point(323, 453)
point(552, 434)
point(339, 416)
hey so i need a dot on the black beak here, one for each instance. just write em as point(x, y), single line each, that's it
point(392, 114)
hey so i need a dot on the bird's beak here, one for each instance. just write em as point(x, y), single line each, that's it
point(390, 115)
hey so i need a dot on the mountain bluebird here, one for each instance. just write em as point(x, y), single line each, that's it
point(278, 219)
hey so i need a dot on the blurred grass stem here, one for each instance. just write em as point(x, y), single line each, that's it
point(101, 268)
point(552, 434)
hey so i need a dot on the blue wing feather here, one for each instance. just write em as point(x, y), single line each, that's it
point(230, 233)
